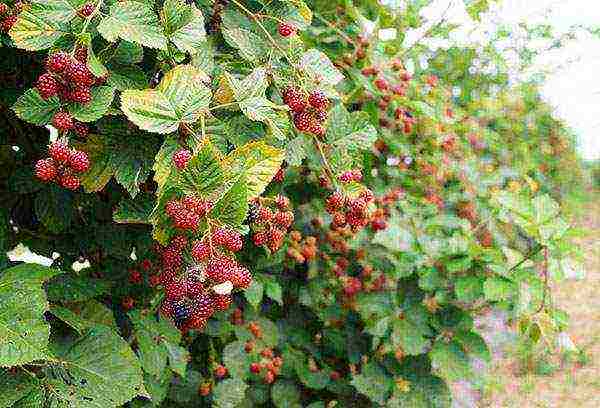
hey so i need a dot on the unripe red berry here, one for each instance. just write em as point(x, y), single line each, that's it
point(87, 10)
point(47, 86)
point(69, 181)
point(260, 238)
point(62, 121)
point(3, 9)
point(318, 129)
point(241, 277)
point(45, 169)
point(127, 303)
point(203, 306)
point(255, 368)
point(57, 62)
point(81, 94)
point(181, 158)
point(176, 290)
point(179, 242)
point(295, 99)
point(282, 202)
point(303, 121)
point(59, 151)
point(79, 161)
point(381, 84)
point(7, 23)
point(220, 371)
point(78, 73)
point(286, 29)
point(81, 129)
point(368, 71)
point(318, 100)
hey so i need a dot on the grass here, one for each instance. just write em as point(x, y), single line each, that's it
point(571, 380)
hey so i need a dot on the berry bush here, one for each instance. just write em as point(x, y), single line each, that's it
point(238, 203)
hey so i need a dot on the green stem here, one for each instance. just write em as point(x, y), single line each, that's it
point(224, 105)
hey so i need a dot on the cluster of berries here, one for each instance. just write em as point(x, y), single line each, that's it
point(269, 364)
point(302, 250)
point(195, 292)
point(346, 211)
point(63, 165)
point(270, 219)
point(309, 112)
point(383, 211)
point(467, 210)
point(9, 15)
point(350, 176)
point(187, 213)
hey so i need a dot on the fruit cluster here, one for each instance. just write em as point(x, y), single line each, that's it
point(268, 364)
point(286, 29)
point(270, 219)
point(349, 211)
point(309, 111)
point(194, 292)
point(302, 250)
point(187, 213)
point(9, 15)
point(63, 165)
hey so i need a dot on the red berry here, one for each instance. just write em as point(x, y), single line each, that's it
point(62, 121)
point(269, 377)
point(321, 116)
point(181, 158)
point(264, 215)
point(154, 280)
point(220, 371)
point(47, 86)
point(7, 23)
point(179, 242)
point(260, 238)
point(275, 239)
point(335, 201)
point(59, 151)
point(3, 9)
point(58, 61)
point(79, 161)
point(222, 302)
point(200, 251)
point(45, 169)
point(358, 205)
point(171, 258)
point(318, 100)
point(81, 54)
point(78, 73)
point(199, 206)
point(282, 202)
point(87, 10)
point(241, 277)
point(81, 129)
point(176, 290)
point(279, 176)
point(295, 99)
point(69, 181)
point(135, 277)
point(318, 129)
point(286, 29)
point(255, 368)
point(284, 219)
point(81, 94)
point(381, 84)
point(127, 303)
point(367, 71)
point(202, 306)
point(303, 121)
point(219, 269)
point(339, 219)
point(194, 286)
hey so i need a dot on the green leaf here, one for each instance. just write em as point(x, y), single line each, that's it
point(409, 336)
point(126, 77)
point(395, 237)
point(184, 25)
point(285, 394)
point(373, 382)
point(178, 358)
point(473, 344)
point(203, 173)
point(229, 393)
point(295, 151)
point(468, 288)
point(13, 387)
point(134, 211)
point(102, 97)
point(135, 22)
point(151, 337)
point(320, 68)
point(259, 162)
point(33, 109)
point(232, 208)
point(23, 330)
point(75, 288)
point(350, 131)
point(101, 370)
point(179, 98)
point(497, 289)
point(450, 361)
point(237, 360)
point(127, 53)
point(274, 291)
point(250, 46)
point(254, 293)
point(41, 24)
point(82, 317)
point(54, 208)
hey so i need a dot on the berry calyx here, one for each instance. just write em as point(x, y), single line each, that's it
point(45, 169)
point(286, 29)
point(181, 158)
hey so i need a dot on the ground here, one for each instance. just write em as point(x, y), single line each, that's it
point(572, 383)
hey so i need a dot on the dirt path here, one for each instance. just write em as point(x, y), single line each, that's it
point(575, 385)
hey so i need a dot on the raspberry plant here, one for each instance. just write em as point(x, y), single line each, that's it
point(274, 209)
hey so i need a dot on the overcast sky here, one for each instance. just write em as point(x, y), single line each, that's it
point(574, 89)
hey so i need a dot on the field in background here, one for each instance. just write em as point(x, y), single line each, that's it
point(572, 382)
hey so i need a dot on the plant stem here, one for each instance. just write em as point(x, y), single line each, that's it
point(326, 164)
